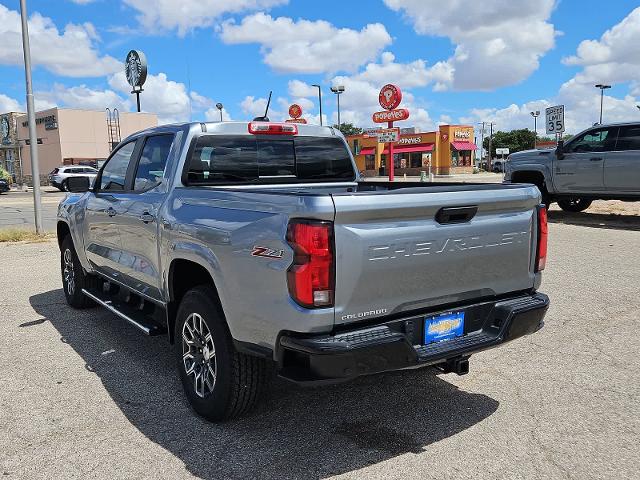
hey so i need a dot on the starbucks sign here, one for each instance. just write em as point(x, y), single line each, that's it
point(135, 68)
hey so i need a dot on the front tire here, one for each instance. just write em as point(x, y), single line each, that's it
point(219, 382)
point(74, 278)
point(574, 204)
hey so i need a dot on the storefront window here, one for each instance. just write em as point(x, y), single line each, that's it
point(416, 160)
point(369, 162)
point(454, 158)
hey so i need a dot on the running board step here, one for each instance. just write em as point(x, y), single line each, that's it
point(135, 317)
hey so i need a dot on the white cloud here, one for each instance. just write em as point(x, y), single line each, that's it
point(305, 46)
point(213, 115)
point(165, 97)
point(8, 104)
point(71, 53)
point(80, 97)
point(612, 59)
point(185, 15)
point(83, 2)
point(255, 107)
point(498, 42)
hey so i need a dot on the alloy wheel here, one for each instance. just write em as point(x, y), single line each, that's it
point(199, 354)
point(68, 272)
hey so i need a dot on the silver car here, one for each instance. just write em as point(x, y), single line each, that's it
point(58, 176)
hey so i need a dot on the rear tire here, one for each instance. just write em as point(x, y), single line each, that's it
point(64, 186)
point(219, 382)
point(574, 204)
point(74, 278)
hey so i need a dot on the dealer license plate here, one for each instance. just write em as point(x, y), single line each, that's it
point(443, 327)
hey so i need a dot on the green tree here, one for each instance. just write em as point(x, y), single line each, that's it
point(348, 129)
point(515, 141)
point(4, 174)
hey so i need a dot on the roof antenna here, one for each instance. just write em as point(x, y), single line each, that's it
point(265, 118)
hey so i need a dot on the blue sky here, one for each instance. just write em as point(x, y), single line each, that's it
point(456, 62)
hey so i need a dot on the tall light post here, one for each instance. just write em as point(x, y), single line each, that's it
point(31, 118)
point(319, 100)
point(219, 106)
point(535, 128)
point(602, 88)
point(338, 90)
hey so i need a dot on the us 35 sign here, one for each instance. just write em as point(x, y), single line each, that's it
point(555, 119)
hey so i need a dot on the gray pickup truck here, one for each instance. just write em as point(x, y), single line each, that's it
point(602, 162)
point(255, 247)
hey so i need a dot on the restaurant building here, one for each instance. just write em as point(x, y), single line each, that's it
point(66, 136)
point(447, 151)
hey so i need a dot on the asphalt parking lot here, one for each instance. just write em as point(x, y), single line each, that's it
point(84, 395)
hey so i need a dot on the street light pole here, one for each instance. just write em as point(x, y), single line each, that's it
point(338, 90)
point(602, 88)
point(219, 106)
point(535, 128)
point(31, 118)
point(319, 100)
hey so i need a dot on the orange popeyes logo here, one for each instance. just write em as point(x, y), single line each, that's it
point(444, 137)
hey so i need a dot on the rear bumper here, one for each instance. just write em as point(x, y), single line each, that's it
point(397, 344)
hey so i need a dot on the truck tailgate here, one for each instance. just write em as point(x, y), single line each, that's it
point(394, 256)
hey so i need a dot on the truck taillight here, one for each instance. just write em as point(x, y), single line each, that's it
point(543, 234)
point(266, 128)
point(311, 275)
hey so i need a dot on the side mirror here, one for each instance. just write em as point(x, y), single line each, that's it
point(78, 184)
point(560, 150)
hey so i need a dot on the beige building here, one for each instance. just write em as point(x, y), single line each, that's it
point(68, 136)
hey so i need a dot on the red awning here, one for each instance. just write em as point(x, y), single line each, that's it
point(463, 146)
point(368, 151)
point(421, 147)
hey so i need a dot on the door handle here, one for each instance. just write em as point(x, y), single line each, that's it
point(146, 217)
point(111, 211)
point(596, 159)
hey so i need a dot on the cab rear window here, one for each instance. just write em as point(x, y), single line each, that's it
point(263, 159)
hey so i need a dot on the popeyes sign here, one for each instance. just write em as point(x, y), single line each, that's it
point(390, 97)
point(391, 115)
point(295, 111)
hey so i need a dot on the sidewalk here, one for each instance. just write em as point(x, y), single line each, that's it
point(484, 177)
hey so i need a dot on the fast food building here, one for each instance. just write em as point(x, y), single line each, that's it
point(66, 136)
point(449, 150)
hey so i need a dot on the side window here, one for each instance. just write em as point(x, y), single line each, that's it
point(152, 162)
point(600, 140)
point(115, 171)
point(629, 138)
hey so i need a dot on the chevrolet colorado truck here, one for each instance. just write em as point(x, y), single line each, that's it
point(255, 247)
point(600, 163)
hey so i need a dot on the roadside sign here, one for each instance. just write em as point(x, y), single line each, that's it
point(387, 135)
point(555, 119)
point(502, 151)
point(390, 96)
point(391, 115)
point(296, 120)
point(295, 111)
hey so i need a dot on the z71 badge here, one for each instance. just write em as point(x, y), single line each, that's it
point(266, 252)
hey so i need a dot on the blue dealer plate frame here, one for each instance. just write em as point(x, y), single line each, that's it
point(443, 327)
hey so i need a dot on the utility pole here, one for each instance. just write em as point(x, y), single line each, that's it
point(319, 100)
point(490, 161)
point(481, 144)
point(31, 118)
point(602, 88)
point(535, 128)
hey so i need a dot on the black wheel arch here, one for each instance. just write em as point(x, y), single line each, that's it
point(183, 276)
